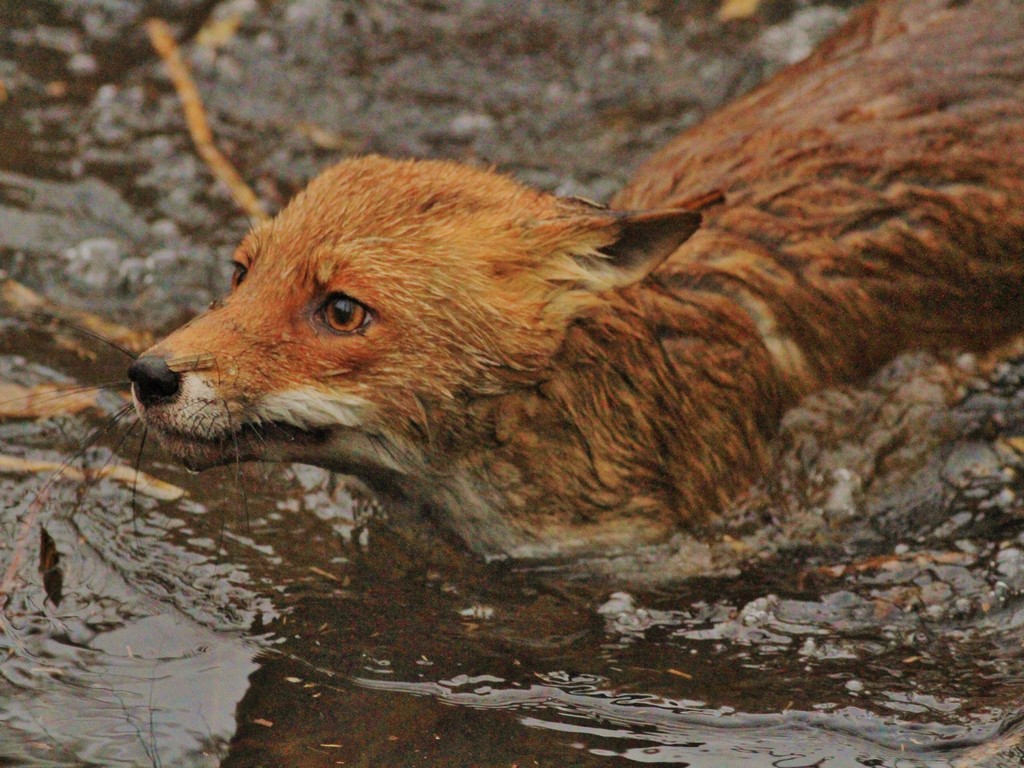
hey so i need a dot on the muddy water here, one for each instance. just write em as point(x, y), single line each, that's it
point(861, 608)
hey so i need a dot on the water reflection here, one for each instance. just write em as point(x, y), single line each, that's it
point(109, 679)
point(153, 692)
point(647, 728)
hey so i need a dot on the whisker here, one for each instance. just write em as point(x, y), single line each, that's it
point(39, 398)
point(191, 413)
point(97, 473)
point(135, 481)
point(238, 471)
point(120, 443)
point(258, 434)
point(65, 323)
point(94, 437)
point(194, 415)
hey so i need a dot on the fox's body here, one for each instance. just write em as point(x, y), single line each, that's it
point(547, 376)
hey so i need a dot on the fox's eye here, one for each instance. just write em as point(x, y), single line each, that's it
point(343, 314)
point(239, 275)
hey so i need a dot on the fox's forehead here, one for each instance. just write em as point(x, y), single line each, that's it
point(373, 209)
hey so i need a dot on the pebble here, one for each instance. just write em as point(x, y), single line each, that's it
point(94, 263)
point(468, 124)
point(83, 64)
point(793, 40)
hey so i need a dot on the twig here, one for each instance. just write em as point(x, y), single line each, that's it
point(22, 301)
point(145, 484)
point(195, 117)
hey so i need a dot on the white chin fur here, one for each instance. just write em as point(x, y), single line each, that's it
point(309, 408)
point(202, 412)
point(200, 417)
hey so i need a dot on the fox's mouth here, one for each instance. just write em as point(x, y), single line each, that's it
point(201, 428)
point(251, 441)
point(279, 442)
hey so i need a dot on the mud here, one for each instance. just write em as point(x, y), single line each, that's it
point(860, 607)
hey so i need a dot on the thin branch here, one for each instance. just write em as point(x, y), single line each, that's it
point(195, 117)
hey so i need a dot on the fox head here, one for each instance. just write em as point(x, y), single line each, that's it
point(377, 305)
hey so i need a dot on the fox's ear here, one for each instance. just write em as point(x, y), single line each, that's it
point(645, 239)
point(602, 249)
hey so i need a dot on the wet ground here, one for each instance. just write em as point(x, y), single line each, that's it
point(861, 607)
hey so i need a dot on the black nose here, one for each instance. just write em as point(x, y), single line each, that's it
point(154, 381)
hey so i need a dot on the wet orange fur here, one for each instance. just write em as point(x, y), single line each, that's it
point(541, 399)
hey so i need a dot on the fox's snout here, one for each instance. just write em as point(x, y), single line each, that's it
point(153, 381)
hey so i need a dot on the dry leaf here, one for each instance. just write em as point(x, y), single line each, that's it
point(1016, 443)
point(736, 545)
point(326, 139)
point(216, 32)
point(49, 567)
point(22, 301)
point(121, 473)
point(43, 401)
point(67, 343)
point(733, 10)
point(325, 574)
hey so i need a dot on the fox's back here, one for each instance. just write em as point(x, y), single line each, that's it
point(874, 192)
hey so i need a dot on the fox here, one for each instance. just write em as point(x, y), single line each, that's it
point(548, 376)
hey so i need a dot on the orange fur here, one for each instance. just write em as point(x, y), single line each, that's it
point(538, 374)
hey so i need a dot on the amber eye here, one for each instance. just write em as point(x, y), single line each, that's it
point(239, 275)
point(343, 314)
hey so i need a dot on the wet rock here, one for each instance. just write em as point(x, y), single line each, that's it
point(842, 501)
point(520, 88)
point(46, 217)
point(795, 38)
point(935, 594)
point(108, 22)
point(625, 618)
point(378, 73)
point(1010, 563)
point(95, 264)
point(83, 64)
point(971, 461)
